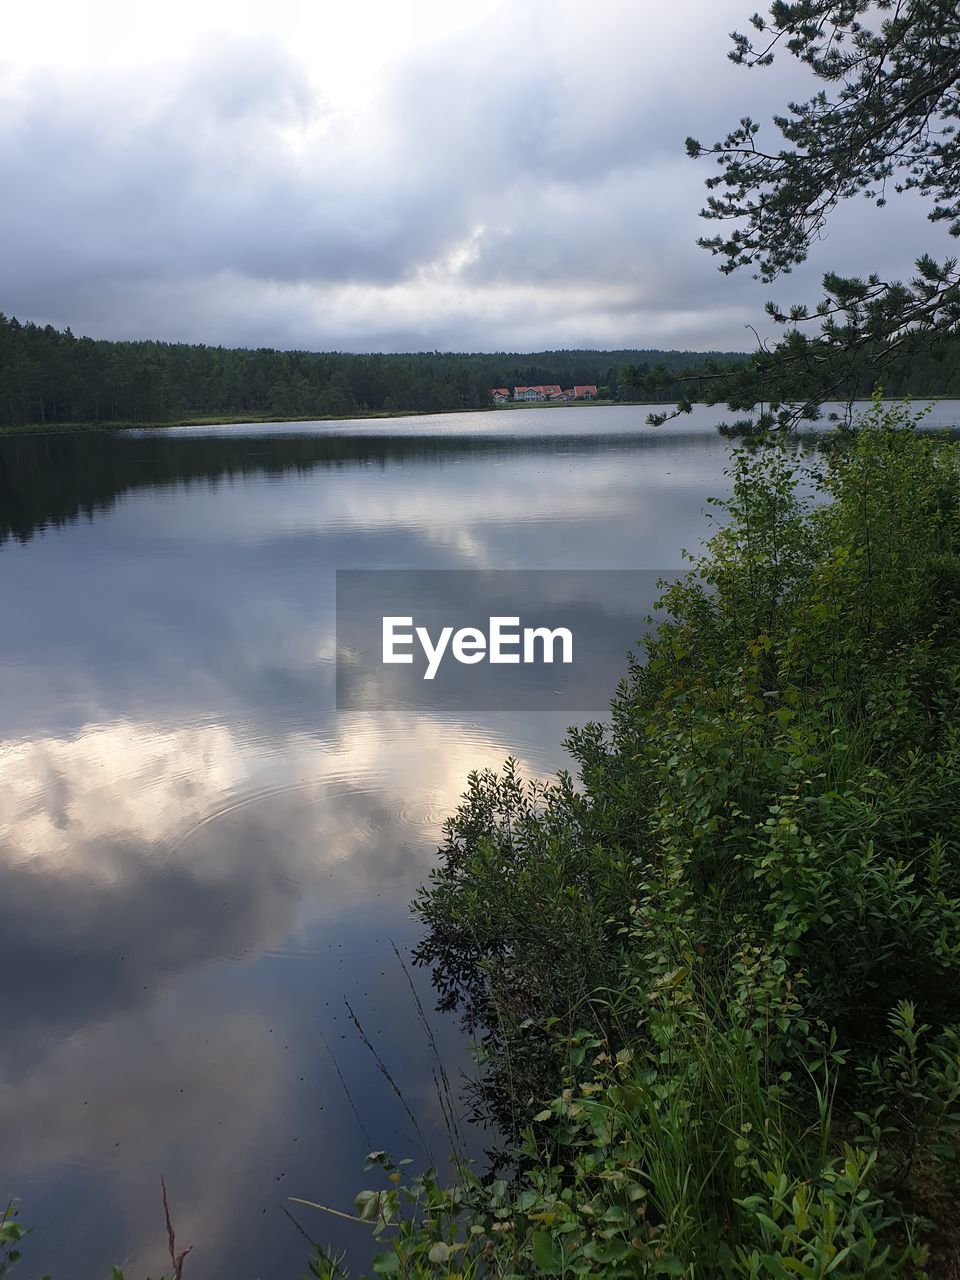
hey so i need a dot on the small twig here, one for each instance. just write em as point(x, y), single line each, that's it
point(176, 1259)
point(337, 1213)
point(385, 1072)
point(300, 1227)
point(353, 1106)
point(441, 1081)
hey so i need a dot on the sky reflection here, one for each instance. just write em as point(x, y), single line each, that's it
point(199, 858)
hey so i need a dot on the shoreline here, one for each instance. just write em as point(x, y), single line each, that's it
point(251, 419)
point(246, 419)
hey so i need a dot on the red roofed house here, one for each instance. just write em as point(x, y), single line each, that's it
point(552, 391)
point(500, 395)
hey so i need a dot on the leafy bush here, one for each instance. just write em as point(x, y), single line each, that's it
point(710, 954)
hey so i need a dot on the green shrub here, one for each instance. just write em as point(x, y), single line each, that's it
point(709, 953)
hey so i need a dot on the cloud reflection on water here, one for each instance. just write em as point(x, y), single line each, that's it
point(198, 857)
point(140, 868)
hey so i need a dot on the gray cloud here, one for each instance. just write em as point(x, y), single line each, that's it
point(517, 187)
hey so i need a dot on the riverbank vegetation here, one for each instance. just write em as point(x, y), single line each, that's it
point(716, 986)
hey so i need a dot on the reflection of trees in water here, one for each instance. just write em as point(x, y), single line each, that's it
point(51, 480)
point(511, 1066)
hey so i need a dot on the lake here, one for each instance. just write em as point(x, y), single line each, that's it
point(201, 859)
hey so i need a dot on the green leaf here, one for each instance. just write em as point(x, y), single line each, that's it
point(367, 1204)
point(544, 1255)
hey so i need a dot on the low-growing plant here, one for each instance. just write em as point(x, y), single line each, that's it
point(11, 1234)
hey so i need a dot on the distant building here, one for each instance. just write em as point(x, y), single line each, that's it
point(500, 395)
point(549, 391)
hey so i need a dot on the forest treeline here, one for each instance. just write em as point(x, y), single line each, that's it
point(52, 376)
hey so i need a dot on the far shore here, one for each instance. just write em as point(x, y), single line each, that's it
point(248, 419)
point(228, 420)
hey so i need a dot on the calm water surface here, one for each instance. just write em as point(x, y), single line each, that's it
point(200, 859)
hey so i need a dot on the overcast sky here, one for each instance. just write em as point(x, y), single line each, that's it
point(385, 174)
